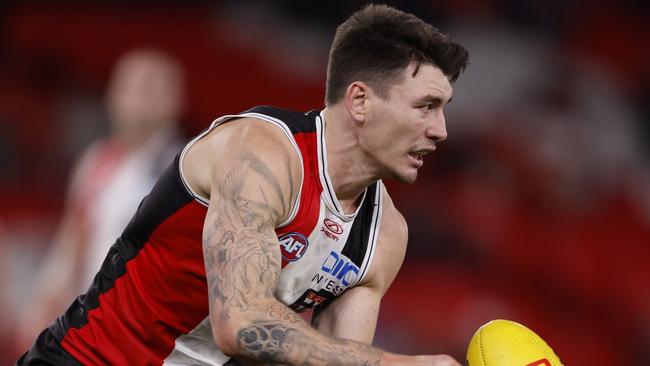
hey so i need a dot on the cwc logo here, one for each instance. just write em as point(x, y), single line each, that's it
point(293, 246)
point(336, 274)
point(340, 267)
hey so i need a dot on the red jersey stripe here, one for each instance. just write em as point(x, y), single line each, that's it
point(141, 322)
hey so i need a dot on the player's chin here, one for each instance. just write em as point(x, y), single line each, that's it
point(407, 176)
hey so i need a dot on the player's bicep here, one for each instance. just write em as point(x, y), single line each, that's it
point(239, 246)
point(248, 197)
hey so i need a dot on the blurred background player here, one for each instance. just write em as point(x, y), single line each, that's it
point(144, 101)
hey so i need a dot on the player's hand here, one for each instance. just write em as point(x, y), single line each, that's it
point(435, 360)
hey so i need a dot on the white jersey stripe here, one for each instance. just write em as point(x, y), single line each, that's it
point(196, 348)
point(328, 189)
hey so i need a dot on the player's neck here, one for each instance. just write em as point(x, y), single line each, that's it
point(348, 167)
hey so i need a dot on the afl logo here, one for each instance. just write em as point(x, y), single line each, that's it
point(333, 226)
point(293, 246)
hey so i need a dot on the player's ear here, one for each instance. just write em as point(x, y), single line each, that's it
point(356, 96)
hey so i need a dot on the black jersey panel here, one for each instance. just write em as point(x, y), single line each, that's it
point(357, 244)
point(47, 351)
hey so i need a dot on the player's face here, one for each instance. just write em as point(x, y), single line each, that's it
point(405, 126)
point(145, 93)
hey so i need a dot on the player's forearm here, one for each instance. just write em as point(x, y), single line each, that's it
point(279, 342)
point(272, 333)
point(269, 333)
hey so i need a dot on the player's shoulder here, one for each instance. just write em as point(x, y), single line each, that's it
point(245, 132)
point(235, 139)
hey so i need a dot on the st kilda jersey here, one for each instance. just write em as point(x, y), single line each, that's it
point(148, 305)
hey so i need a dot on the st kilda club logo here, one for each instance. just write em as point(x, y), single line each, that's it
point(293, 246)
point(331, 229)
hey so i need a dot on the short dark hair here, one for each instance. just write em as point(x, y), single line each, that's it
point(378, 42)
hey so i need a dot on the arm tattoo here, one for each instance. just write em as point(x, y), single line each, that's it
point(283, 313)
point(241, 255)
point(276, 342)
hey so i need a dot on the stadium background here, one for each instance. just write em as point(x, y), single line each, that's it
point(536, 209)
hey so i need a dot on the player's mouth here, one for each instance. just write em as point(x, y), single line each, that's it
point(417, 156)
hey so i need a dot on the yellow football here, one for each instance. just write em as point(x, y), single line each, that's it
point(507, 343)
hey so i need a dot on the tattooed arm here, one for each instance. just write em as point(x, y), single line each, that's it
point(251, 183)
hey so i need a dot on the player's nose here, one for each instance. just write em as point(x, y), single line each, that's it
point(437, 128)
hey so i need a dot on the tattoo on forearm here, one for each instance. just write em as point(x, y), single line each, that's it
point(281, 312)
point(281, 343)
point(267, 342)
